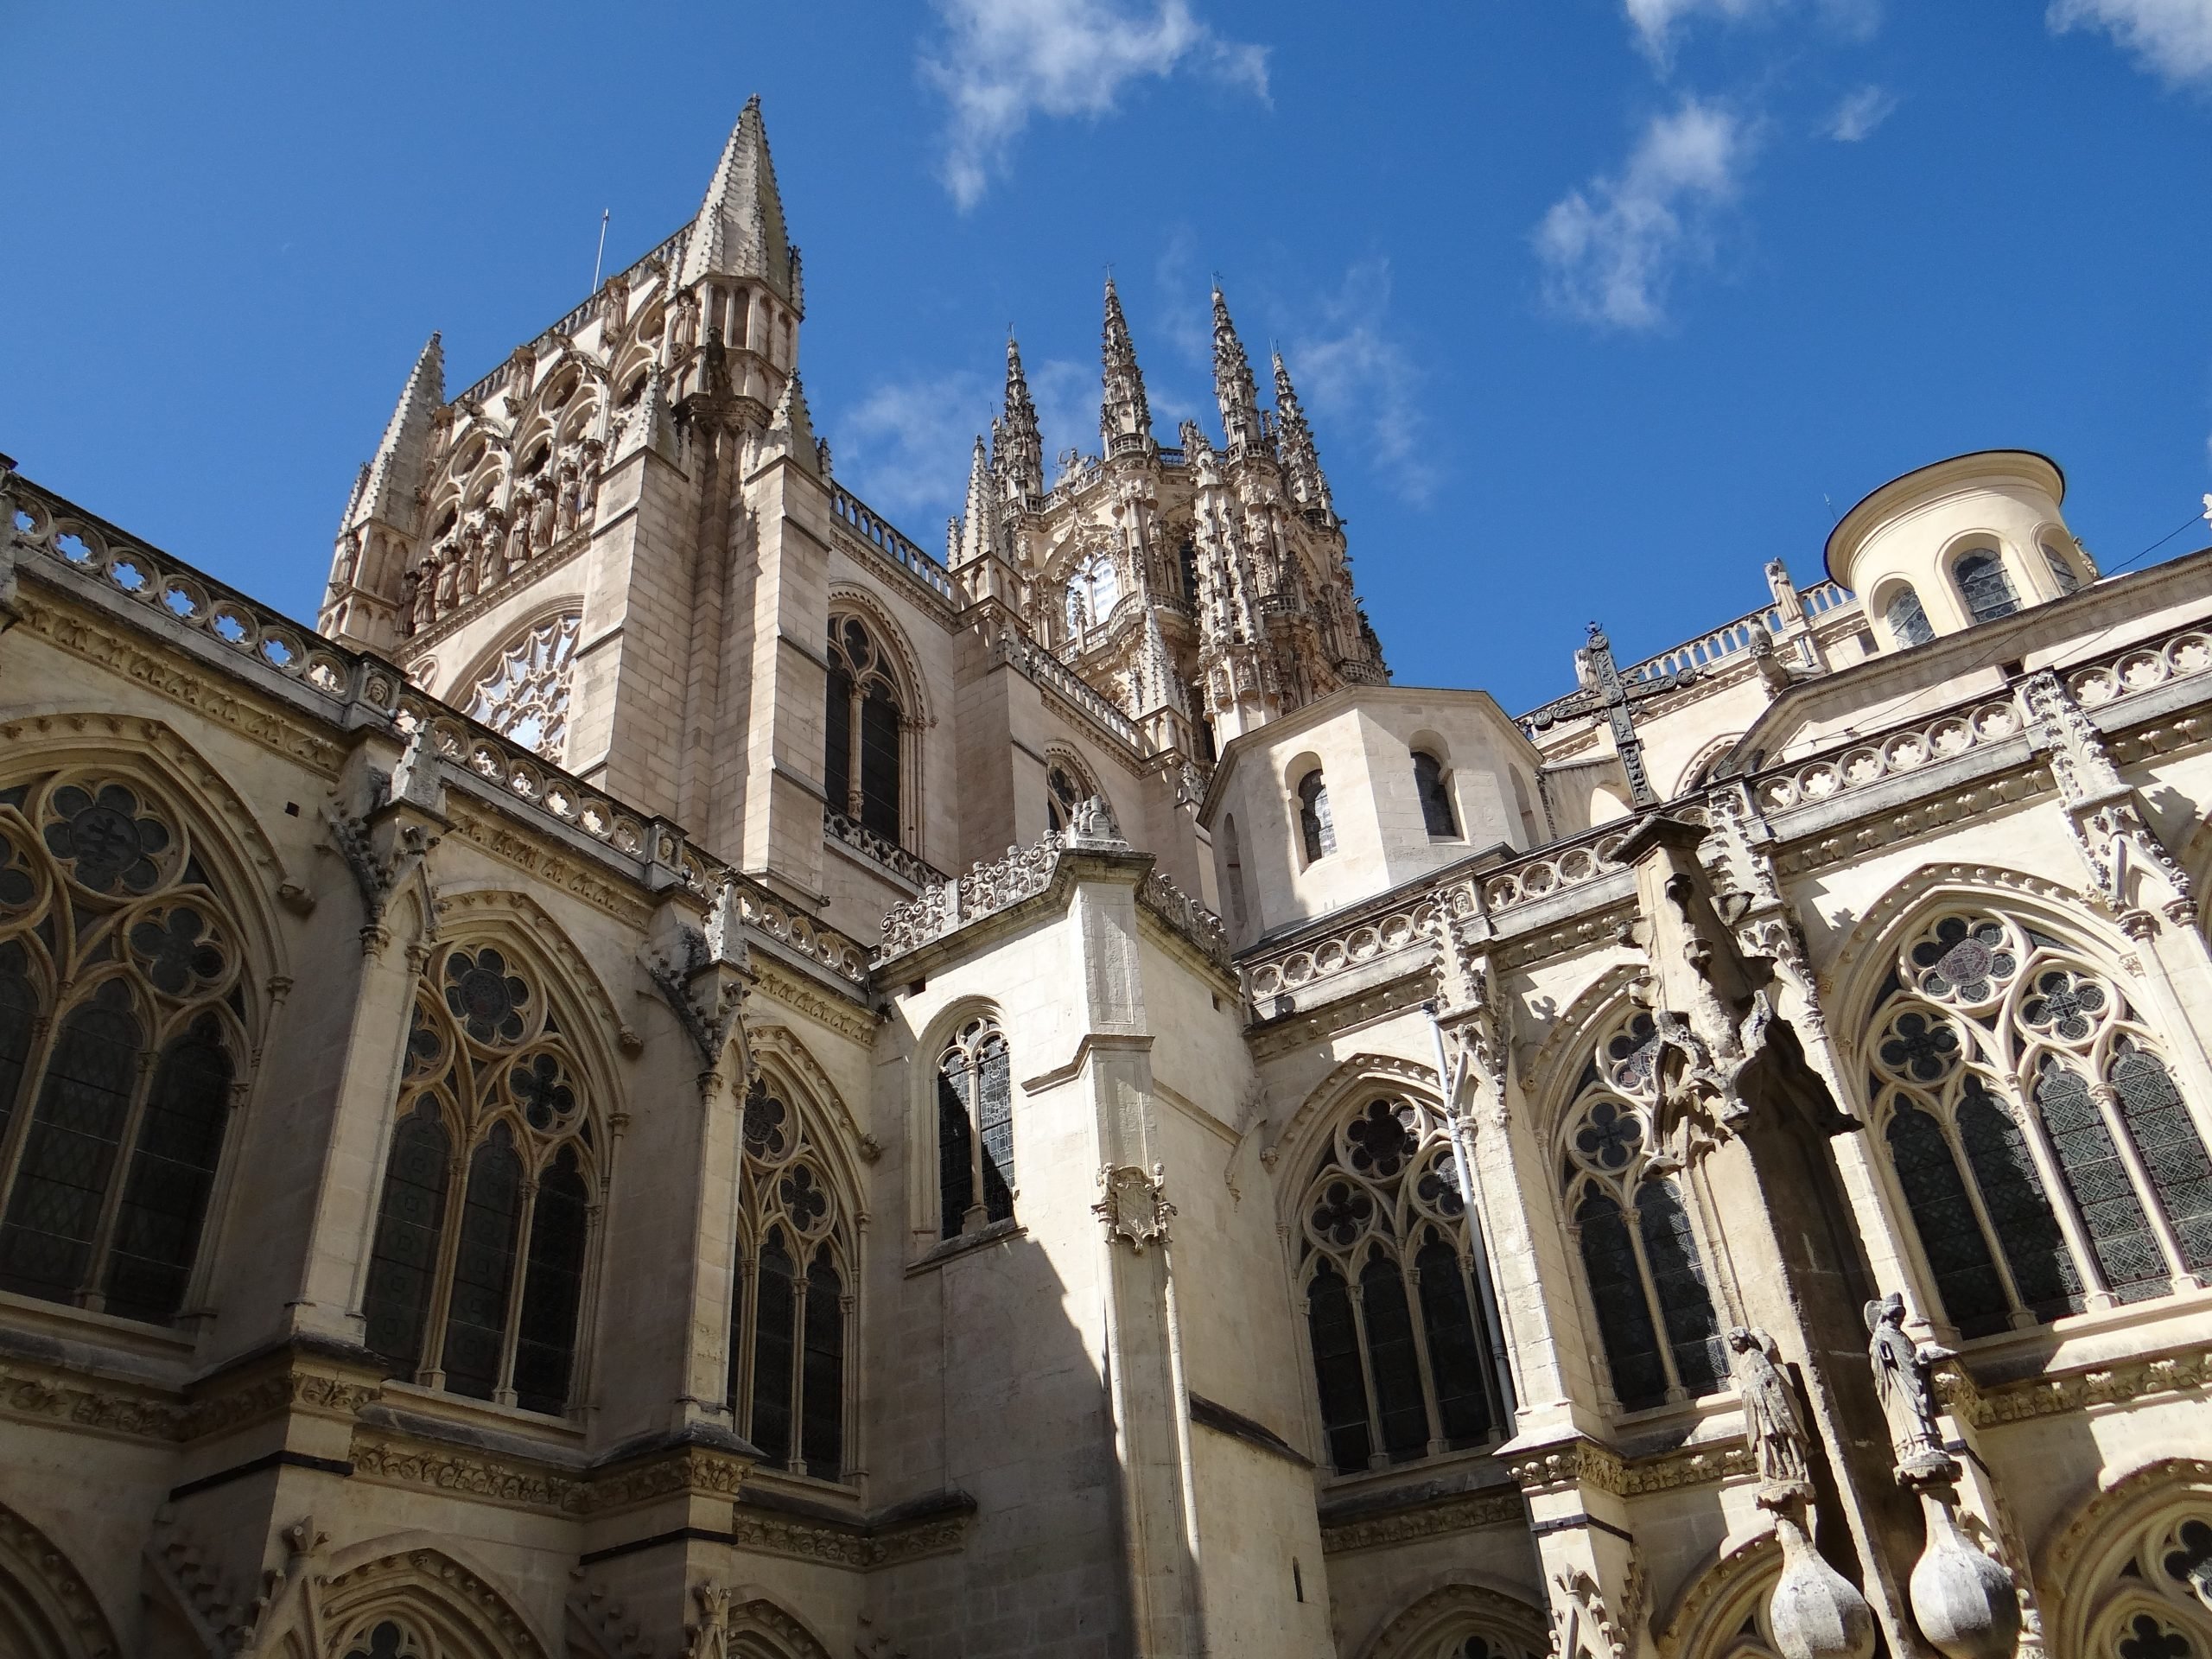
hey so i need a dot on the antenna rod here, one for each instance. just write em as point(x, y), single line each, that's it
point(604, 213)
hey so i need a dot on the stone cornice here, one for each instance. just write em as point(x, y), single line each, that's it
point(1585, 1463)
point(889, 1541)
point(849, 1019)
point(531, 855)
point(169, 674)
point(2122, 1383)
point(1433, 1518)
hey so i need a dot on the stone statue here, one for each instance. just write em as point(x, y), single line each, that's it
point(540, 517)
point(448, 592)
point(411, 590)
point(1771, 1427)
point(517, 551)
point(1901, 1382)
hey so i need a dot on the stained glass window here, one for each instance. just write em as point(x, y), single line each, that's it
point(524, 694)
point(1435, 798)
point(2061, 570)
point(863, 741)
point(1908, 620)
point(787, 1372)
point(1317, 826)
point(404, 1260)
point(46, 1242)
point(1648, 1293)
point(479, 1278)
point(2011, 1068)
point(777, 1301)
point(1393, 1296)
point(1984, 585)
point(172, 1170)
point(974, 1128)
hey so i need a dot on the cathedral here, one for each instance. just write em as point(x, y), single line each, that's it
point(684, 1076)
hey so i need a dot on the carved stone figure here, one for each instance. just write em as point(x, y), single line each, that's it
point(1901, 1382)
point(1772, 1428)
point(449, 588)
point(410, 591)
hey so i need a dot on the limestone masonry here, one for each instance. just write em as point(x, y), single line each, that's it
point(686, 1076)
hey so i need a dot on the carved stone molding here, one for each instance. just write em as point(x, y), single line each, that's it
point(861, 1546)
point(533, 858)
point(1587, 1464)
point(1466, 1513)
point(1133, 1205)
point(1913, 819)
point(346, 1596)
point(165, 674)
point(409, 1463)
point(52, 1577)
point(2189, 1371)
point(293, 1389)
point(848, 1019)
point(57, 1396)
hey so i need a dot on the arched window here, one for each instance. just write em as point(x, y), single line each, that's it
point(864, 749)
point(2062, 571)
point(1316, 826)
point(2038, 1137)
point(788, 1310)
point(1640, 1256)
point(1066, 787)
point(524, 694)
point(2152, 1598)
point(1907, 621)
point(1393, 1300)
point(1094, 587)
point(975, 1118)
point(1983, 585)
point(1435, 798)
point(484, 1226)
point(113, 935)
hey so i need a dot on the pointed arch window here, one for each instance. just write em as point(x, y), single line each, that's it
point(1317, 826)
point(1396, 1310)
point(524, 694)
point(974, 1095)
point(490, 1197)
point(123, 1011)
point(2038, 1138)
point(1983, 585)
point(789, 1311)
point(866, 751)
point(1907, 619)
point(1641, 1260)
point(1094, 589)
point(1435, 798)
point(1067, 786)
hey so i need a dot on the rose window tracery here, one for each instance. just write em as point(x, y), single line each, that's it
point(524, 695)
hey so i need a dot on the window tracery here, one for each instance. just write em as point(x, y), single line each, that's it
point(1392, 1294)
point(491, 1190)
point(790, 1308)
point(2062, 571)
point(1067, 786)
point(122, 1011)
point(864, 756)
point(524, 694)
point(2156, 1603)
point(975, 1118)
point(1641, 1260)
point(2038, 1138)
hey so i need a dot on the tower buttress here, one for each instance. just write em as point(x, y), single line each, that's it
point(1125, 414)
point(1233, 389)
point(383, 521)
point(1017, 446)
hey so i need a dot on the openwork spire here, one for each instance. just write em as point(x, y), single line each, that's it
point(1232, 383)
point(1125, 416)
point(1309, 487)
point(1017, 447)
point(739, 229)
point(387, 495)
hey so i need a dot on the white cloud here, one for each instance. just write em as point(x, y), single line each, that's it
point(2173, 37)
point(1363, 387)
point(1003, 61)
point(1858, 116)
point(1655, 20)
point(904, 448)
point(1610, 248)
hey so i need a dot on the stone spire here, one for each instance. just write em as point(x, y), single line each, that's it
point(791, 429)
point(1017, 447)
point(1153, 683)
point(388, 494)
point(979, 522)
point(1232, 383)
point(1294, 443)
point(1125, 416)
point(739, 229)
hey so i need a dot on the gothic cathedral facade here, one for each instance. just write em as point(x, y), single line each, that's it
point(683, 1076)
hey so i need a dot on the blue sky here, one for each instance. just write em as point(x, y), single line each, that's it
point(1597, 304)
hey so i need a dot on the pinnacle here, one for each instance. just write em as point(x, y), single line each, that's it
point(739, 228)
point(396, 473)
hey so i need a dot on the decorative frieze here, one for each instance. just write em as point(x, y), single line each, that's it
point(497, 1480)
point(857, 1545)
point(56, 1397)
point(1996, 1404)
point(1503, 1507)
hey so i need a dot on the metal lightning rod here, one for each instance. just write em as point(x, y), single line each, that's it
point(604, 214)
